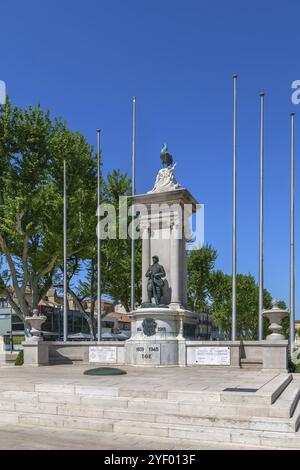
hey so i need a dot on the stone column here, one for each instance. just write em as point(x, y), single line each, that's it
point(175, 266)
point(146, 261)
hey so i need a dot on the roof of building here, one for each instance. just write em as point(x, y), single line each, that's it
point(123, 317)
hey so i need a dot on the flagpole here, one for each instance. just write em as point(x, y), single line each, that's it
point(233, 319)
point(65, 320)
point(99, 326)
point(292, 245)
point(261, 222)
point(132, 296)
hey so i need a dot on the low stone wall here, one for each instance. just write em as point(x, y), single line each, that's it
point(109, 352)
point(263, 355)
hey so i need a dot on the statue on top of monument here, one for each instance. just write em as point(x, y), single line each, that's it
point(166, 179)
point(155, 284)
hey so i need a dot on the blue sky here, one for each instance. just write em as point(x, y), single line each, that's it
point(85, 61)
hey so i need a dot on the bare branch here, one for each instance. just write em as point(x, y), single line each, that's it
point(10, 262)
point(24, 262)
point(19, 217)
point(48, 268)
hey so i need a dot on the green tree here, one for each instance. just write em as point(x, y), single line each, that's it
point(200, 265)
point(220, 290)
point(32, 150)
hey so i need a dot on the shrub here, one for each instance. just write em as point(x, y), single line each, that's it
point(291, 366)
point(20, 358)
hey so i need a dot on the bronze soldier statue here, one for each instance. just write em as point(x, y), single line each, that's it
point(155, 283)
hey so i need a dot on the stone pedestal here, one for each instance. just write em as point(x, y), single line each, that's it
point(35, 350)
point(36, 353)
point(157, 334)
point(275, 356)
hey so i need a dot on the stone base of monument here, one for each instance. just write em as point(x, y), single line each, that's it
point(157, 334)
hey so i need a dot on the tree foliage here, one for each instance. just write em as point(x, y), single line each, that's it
point(32, 150)
point(220, 290)
point(201, 262)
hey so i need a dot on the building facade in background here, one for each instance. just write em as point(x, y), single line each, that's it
point(115, 321)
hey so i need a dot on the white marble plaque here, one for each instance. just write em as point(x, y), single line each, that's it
point(103, 354)
point(147, 354)
point(213, 356)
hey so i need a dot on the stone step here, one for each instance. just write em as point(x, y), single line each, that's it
point(11, 400)
point(267, 394)
point(101, 391)
point(176, 413)
point(264, 395)
point(14, 400)
point(254, 365)
point(287, 402)
point(167, 430)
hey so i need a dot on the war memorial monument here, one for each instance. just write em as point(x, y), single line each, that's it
point(174, 389)
point(163, 329)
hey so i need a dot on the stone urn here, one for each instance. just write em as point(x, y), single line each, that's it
point(275, 315)
point(35, 322)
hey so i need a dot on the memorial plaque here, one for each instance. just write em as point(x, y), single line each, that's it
point(103, 354)
point(147, 354)
point(213, 356)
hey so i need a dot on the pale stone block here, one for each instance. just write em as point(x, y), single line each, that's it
point(104, 402)
point(37, 408)
point(18, 395)
point(91, 424)
point(246, 437)
point(270, 424)
point(204, 434)
point(29, 420)
point(131, 427)
point(56, 398)
point(244, 398)
point(36, 354)
point(276, 357)
point(153, 405)
point(26, 387)
point(8, 418)
point(85, 411)
point(143, 394)
point(128, 415)
point(185, 395)
point(184, 420)
point(7, 405)
point(55, 388)
point(284, 440)
point(96, 391)
point(50, 420)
